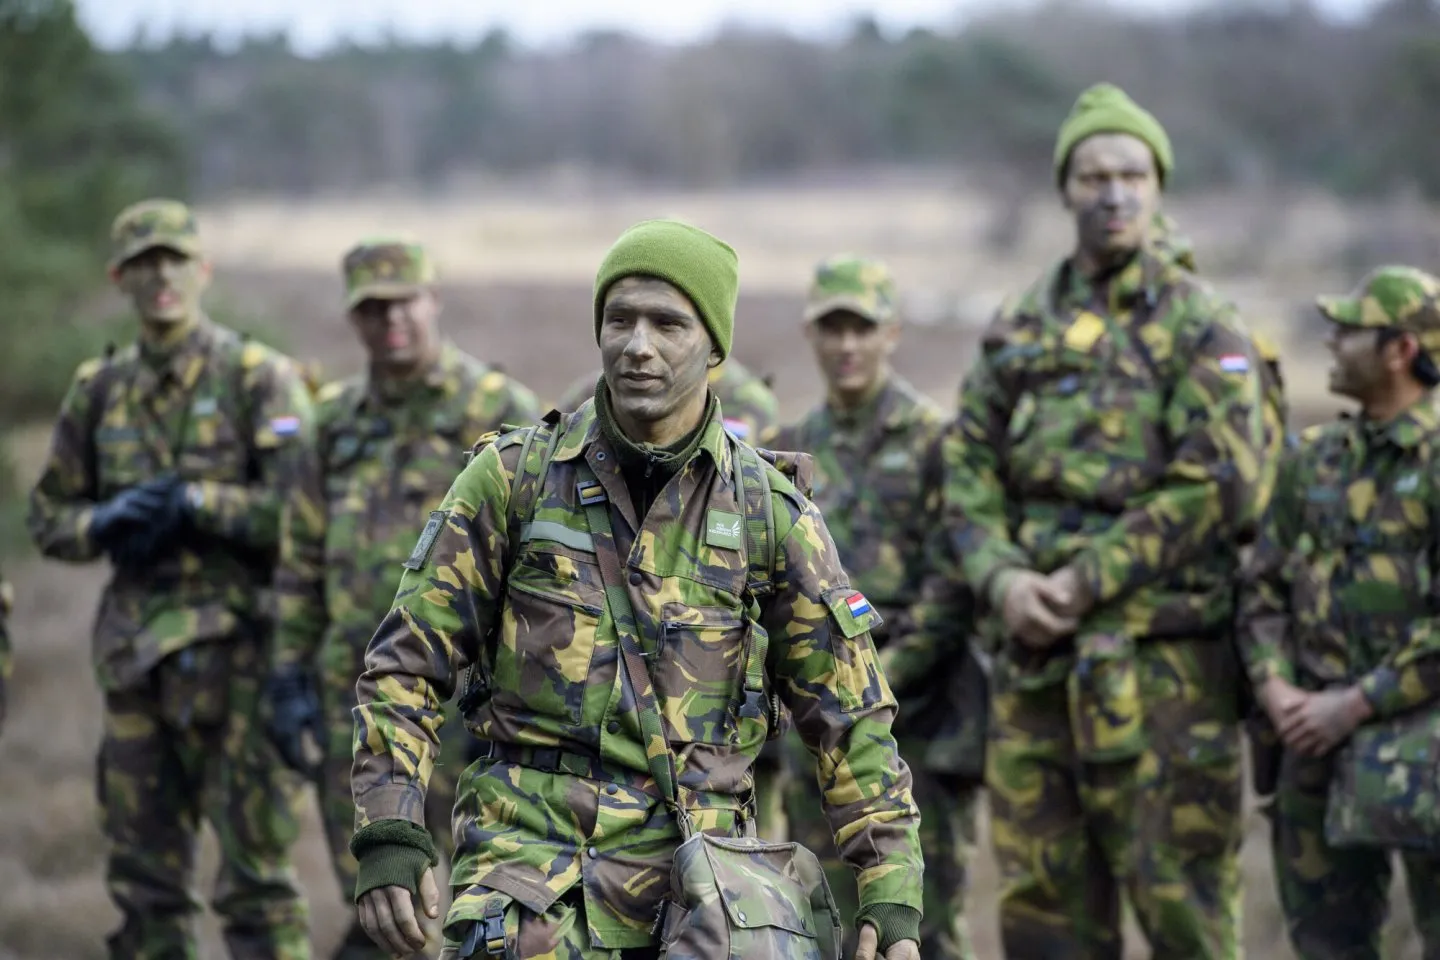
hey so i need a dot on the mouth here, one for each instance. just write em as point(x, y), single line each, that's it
point(397, 340)
point(167, 299)
point(640, 381)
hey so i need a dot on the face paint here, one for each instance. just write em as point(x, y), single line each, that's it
point(1113, 191)
point(655, 351)
point(164, 285)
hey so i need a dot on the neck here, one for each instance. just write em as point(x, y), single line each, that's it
point(1095, 265)
point(159, 336)
point(849, 401)
point(670, 430)
point(388, 372)
point(1395, 402)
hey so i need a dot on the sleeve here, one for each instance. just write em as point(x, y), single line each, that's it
point(827, 673)
point(1264, 616)
point(444, 607)
point(62, 499)
point(281, 433)
point(975, 504)
point(1209, 491)
point(1409, 676)
point(301, 611)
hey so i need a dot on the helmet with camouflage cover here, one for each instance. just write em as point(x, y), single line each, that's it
point(1391, 298)
point(858, 285)
point(157, 222)
point(386, 268)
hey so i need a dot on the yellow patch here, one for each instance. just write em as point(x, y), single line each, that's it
point(1084, 331)
point(1361, 498)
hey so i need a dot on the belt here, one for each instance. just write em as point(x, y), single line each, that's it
point(556, 760)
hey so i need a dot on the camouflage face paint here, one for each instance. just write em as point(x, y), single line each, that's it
point(398, 332)
point(1113, 192)
point(655, 351)
point(1358, 370)
point(164, 285)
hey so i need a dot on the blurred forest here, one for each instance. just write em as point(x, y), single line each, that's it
point(1251, 93)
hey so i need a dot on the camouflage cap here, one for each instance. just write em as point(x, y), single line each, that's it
point(386, 269)
point(846, 282)
point(1392, 297)
point(154, 223)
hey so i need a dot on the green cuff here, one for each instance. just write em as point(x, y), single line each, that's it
point(391, 853)
point(999, 583)
point(893, 921)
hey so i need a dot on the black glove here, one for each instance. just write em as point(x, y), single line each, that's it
point(165, 497)
point(294, 710)
point(116, 520)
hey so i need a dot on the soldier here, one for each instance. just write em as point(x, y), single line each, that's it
point(172, 457)
point(1338, 606)
point(751, 410)
point(562, 838)
point(7, 602)
point(875, 445)
point(1109, 452)
point(388, 444)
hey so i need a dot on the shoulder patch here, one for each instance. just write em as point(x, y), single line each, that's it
point(852, 612)
point(421, 554)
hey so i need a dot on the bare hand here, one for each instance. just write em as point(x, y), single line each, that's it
point(1320, 722)
point(1070, 596)
point(1030, 611)
point(1279, 696)
point(388, 915)
point(869, 941)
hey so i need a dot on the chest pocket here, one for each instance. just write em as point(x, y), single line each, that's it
point(215, 442)
point(697, 671)
point(548, 633)
point(1087, 419)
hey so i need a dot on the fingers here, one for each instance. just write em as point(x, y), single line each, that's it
point(904, 950)
point(430, 893)
point(389, 936)
point(866, 943)
point(402, 907)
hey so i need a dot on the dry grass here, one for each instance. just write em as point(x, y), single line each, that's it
point(516, 286)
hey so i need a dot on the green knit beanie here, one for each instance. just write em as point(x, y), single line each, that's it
point(704, 268)
point(1105, 108)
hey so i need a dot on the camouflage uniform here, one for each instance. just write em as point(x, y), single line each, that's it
point(1341, 591)
point(178, 643)
point(1119, 431)
point(7, 602)
point(876, 471)
point(564, 820)
point(751, 410)
point(387, 453)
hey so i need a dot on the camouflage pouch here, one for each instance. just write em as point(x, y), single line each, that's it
point(733, 897)
point(1103, 692)
point(1385, 791)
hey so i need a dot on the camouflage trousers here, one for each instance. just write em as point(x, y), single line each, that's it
point(1336, 901)
point(947, 835)
point(1164, 827)
point(183, 745)
point(560, 933)
point(337, 805)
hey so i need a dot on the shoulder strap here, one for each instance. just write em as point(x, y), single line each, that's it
point(658, 754)
point(760, 554)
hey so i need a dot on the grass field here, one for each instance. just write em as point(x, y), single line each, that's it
point(515, 275)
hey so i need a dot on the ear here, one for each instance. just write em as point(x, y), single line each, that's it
point(114, 274)
point(1407, 348)
point(890, 336)
point(715, 359)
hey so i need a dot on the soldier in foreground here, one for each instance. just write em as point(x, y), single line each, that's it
point(563, 840)
point(387, 445)
point(751, 410)
point(1109, 450)
point(1338, 625)
point(172, 458)
point(875, 445)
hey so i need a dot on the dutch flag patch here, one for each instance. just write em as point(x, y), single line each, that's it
point(1235, 363)
point(285, 426)
point(857, 604)
point(739, 429)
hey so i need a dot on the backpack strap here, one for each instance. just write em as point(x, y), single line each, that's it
point(752, 490)
point(525, 485)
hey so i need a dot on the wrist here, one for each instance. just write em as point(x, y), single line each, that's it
point(1361, 709)
point(893, 922)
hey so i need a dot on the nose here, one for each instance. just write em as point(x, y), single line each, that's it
point(395, 312)
point(640, 346)
point(1112, 193)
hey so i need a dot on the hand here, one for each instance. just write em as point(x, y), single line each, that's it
point(1319, 722)
point(869, 941)
point(294, 711)
point(117, 519)
point(1071, 594)
point(388, 915)
point(167, 503)
point(1278, 696)
point(1030, 611)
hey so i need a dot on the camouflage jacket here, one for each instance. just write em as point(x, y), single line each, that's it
point(751, 410)
point(547, 640)
point(385, 459)
point(1342, 587)
point(223, 412)
point(874, 471)
point(1120, 430)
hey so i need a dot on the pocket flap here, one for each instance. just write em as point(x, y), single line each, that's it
point(759, 884)
point(851, 612)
